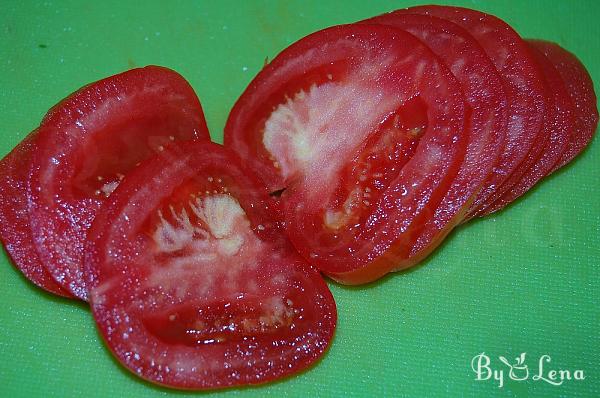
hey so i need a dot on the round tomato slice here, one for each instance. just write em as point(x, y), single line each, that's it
point(85, 146)
point(581, 91)
point(14, 220)
point(558, 126)
point(362, 126)
point(486, 123)
point(193, 284)
point(523, 85)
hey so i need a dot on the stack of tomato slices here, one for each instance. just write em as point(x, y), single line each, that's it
point(354, 152)
point(120, 199)
point(382, 136)
point(55, 181)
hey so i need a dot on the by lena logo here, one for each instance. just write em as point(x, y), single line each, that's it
point(519, 370)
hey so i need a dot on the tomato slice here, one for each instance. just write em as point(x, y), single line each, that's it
point(581, 91)
point(87, 143)
point(486, 123)
point(14, 220)
point(523, 85)
point(193, 284)
point(558, 126)
point(363, 128)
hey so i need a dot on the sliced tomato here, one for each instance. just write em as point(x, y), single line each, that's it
point(523, 85)
point(558, 127)
point(84, 147)
point(581, 91)
point(362, 126)
point(14, 220)
point(486, 123)
point(193, 284)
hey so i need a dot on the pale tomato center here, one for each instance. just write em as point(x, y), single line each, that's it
point(211, 236)
point(205, 236)
point(315, 131)
point(346, 140)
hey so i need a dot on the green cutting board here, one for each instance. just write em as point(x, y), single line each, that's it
point(524, 280)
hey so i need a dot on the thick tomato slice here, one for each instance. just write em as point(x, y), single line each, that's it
point(486, 123)
point(581, 91)
point(558, 127)
point(362, 126)
point(87, 143)
point(523, 85)
point(14, 219)
point(193, 284)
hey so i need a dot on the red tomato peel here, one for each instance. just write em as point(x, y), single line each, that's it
point(558, 127)
point(581, 90)
point(15, 231)
point(522, 84)
point(486, 123)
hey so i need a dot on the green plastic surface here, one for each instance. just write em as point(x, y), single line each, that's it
point(524, 280)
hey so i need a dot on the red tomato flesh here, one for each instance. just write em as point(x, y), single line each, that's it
point(523, 86)
point(15, 232)
point(85, 146)
point(193, 284)
point(363, 126)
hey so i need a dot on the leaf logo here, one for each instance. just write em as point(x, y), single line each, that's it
point(519, 371)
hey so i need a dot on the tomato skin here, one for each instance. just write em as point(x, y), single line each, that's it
point(15, 232)
point(486, 123)
point(152, 329)
point(86, 143)
point(581, 89)
point(559, 124)
point(523, 85)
